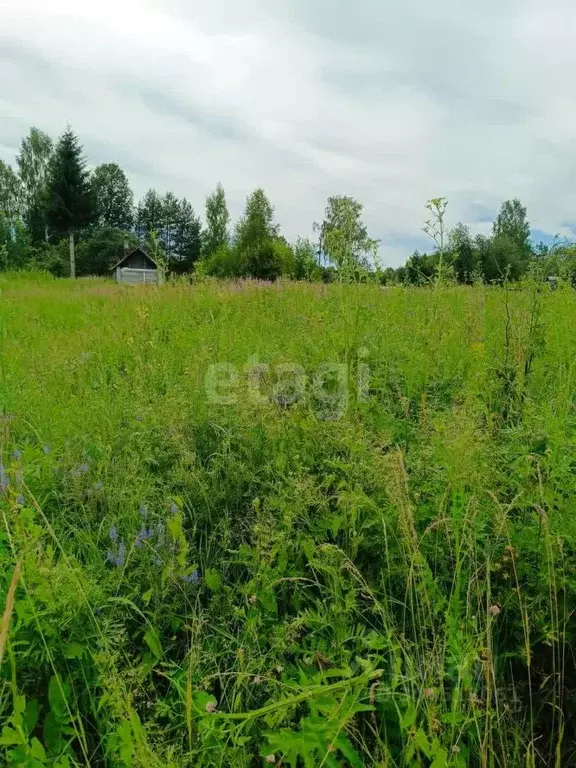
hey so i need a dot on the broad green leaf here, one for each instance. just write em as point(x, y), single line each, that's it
point(213, 579)
point(73, 651)
point(37, 750)
point(342, 742)
point(57, 694)
point(30, 717)
point(10, 737)
point(409, 717)
point(153, 642)
point(267, 599)
point(422, 743)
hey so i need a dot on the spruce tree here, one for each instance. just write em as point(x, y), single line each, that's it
point(69, 203)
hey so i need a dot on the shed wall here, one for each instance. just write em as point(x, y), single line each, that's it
point(131, 276)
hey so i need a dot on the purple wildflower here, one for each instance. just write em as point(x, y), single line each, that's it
point(143, 536)
point(143, 511)
point(121, 556)
point(191, 578)
point(4, 479)
point(157, 561)
point(173, 508)
point(99, 485)
point(20, 500)
point(46, 449)
point(17, 454)
point(113, 533)
point(117, 558)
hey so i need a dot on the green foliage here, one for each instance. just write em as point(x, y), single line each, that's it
point(502, 259)
point(10, 193)
point(258, 251)
point(269, 259)
point(462, 254)
point(344, 237)
point(177, 228)
point(216, 235)
point(224, 263)
point(183, 239)
point(305, 261)
point(69, 205)
point(33, 161)
point(256, 228)
point(113, 199)
point(53, 196)
point(150, 214)
point(505, 257)
point(14, 242)
point(512, 224)
point(435, 227)
point(101, 248)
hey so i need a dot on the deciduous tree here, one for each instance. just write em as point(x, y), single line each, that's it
point(113, 198)
point(512, 223)
point(257, 225)
point(216, 235)
point(344, 236)
point(33, 161)
point(150, 214)
point(10, 193)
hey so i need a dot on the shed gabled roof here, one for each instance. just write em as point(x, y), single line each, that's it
point(126, 256)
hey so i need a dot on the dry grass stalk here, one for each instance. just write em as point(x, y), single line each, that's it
point(9, 608)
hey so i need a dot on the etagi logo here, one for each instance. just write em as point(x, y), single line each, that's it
point(327, 388)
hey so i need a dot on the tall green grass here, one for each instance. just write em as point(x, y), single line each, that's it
point(215, 572)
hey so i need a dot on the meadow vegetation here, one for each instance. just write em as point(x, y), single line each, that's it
point(350, 544)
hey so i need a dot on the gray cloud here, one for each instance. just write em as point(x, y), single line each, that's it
point(391, 105)
point(167, 105)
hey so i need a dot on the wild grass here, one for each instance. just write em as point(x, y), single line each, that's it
point(370, 565)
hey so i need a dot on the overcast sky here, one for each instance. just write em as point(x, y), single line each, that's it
point(309, 98)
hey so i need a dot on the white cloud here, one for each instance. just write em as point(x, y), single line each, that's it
point(391, 105)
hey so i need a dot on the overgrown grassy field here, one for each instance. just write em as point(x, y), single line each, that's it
point(363, 557)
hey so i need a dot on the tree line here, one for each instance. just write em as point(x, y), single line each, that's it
point(56, 214)
point(507, 254)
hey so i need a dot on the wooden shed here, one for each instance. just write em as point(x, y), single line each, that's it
point(137, 267)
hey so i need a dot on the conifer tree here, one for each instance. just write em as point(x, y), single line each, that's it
point(68, 198)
